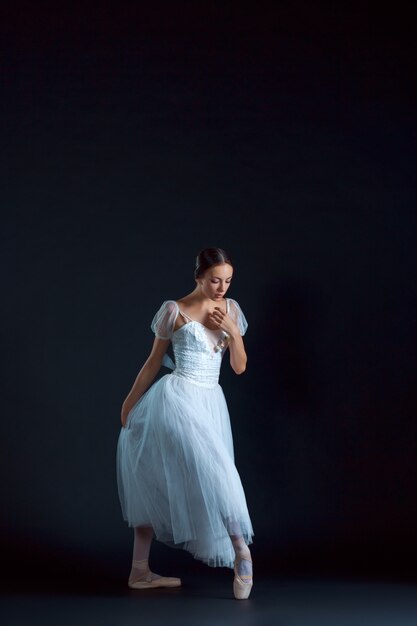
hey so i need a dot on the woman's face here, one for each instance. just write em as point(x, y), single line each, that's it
point(216, 281)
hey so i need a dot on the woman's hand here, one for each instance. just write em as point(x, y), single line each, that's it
point(223, 321)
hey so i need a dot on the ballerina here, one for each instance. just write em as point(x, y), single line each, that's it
point(176, 476)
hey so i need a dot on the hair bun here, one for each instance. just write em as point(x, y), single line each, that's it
point(207, 258)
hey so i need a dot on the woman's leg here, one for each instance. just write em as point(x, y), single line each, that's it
point(140, 572)
point(142, 542)
point(243, 556)
point(141, 547)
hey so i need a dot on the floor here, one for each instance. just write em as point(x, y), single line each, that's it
point(204, 600)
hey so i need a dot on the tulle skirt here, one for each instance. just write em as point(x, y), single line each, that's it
point(176, 471)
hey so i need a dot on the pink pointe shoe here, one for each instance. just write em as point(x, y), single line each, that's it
point(242, 583)
point(148, 580)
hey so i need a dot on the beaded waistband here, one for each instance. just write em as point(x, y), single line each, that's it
point(207, 385)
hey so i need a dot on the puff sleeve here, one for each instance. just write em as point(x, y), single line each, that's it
point(237, 316)
point(163, 322)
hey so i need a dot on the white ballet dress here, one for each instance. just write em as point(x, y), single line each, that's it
point(175, 458)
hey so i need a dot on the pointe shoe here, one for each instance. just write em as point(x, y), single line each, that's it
point(242, 583)
point(147, 582)
point(145, 579)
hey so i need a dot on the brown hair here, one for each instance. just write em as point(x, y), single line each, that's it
point(208, 257)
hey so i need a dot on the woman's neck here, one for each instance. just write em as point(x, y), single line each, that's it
point(197, 297)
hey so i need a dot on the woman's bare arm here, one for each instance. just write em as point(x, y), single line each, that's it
point(145, 377)
point(238, 358)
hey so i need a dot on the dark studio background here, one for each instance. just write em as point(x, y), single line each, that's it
point(134, 137)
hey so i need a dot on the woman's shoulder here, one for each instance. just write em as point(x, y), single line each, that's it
point(175, 305)
point(185, 303)
point(233, 304)
point(184, 300)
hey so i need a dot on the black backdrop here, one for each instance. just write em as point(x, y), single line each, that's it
point(132, 138)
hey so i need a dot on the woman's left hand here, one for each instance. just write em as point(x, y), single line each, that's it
point(223, 321)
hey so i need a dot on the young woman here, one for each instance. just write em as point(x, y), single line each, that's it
point(176, 475)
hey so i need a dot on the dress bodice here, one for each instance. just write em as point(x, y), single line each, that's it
point(195, 356)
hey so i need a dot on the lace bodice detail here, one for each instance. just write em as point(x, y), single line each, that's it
point(195, 358)
point(194, 344)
